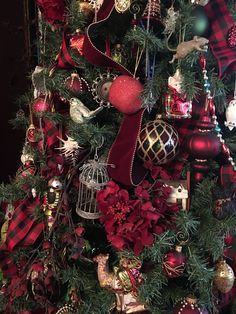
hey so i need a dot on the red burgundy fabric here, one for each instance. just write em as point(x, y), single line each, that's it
point(220, 24)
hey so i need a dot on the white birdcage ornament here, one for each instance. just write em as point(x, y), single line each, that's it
point(93, 178)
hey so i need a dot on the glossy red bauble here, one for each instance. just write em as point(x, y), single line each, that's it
point(174, 263)
point(125, 94)
point(203, 145)
point(76, 84)
point(188, 305)
point(42, 104)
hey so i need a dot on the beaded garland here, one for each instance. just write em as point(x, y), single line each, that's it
point(210, 105)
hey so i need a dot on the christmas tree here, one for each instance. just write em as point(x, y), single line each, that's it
point(124, 200)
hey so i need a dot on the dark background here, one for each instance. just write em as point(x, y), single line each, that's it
point(17, 57)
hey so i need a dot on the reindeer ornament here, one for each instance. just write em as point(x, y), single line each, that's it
point(123, 281)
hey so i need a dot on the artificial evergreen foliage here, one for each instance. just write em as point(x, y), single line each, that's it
point(70, 244)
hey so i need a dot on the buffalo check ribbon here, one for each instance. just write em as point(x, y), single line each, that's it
point(221, 22)
point(23, 228)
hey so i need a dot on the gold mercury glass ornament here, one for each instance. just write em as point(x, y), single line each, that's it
point(224, 276)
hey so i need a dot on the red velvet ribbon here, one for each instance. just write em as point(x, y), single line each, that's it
point(91, 53)
point(64, 59)
point(127, 170)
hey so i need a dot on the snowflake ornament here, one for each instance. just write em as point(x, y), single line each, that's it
point(70, 149)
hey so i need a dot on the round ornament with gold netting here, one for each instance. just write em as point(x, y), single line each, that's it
point(157, 142)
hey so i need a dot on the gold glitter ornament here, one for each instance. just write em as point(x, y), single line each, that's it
point(224, 276)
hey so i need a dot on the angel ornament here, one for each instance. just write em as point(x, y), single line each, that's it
point(79, 113)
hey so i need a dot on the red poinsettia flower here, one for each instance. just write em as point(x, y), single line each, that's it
point(52, 10)
point(133, 223)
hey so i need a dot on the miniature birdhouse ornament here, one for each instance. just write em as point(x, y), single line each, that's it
point(180, 191)
point(230, 114)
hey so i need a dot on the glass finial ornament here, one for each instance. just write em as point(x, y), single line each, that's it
point(93, 177)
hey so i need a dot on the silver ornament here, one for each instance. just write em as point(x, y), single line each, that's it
point(79, 113)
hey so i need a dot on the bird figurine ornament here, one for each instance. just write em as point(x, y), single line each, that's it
point(79, 113)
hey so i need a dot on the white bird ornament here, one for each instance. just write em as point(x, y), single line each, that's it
point(79, 113)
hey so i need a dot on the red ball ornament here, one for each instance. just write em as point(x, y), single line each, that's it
point(124, 94)
point(188, 305)
point(42, 104)
point(174, 263)
point(76, 84)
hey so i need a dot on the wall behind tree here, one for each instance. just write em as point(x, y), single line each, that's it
point(17, 22)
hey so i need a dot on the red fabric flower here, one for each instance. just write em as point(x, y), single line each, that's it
point(133, 223)
point(53, 11)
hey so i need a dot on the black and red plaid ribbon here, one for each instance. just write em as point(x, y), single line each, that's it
point(221, 21)
point(23, 229)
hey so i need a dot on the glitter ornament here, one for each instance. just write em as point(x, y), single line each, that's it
point(152, 11)
point(76, 84)
point(157, 142)
point(100, 88)
point(231, 37)
point(125, 94)
point(170, 21)
point(174, 263)
point(224, 276)
point(42, 104)
point(188, 305)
